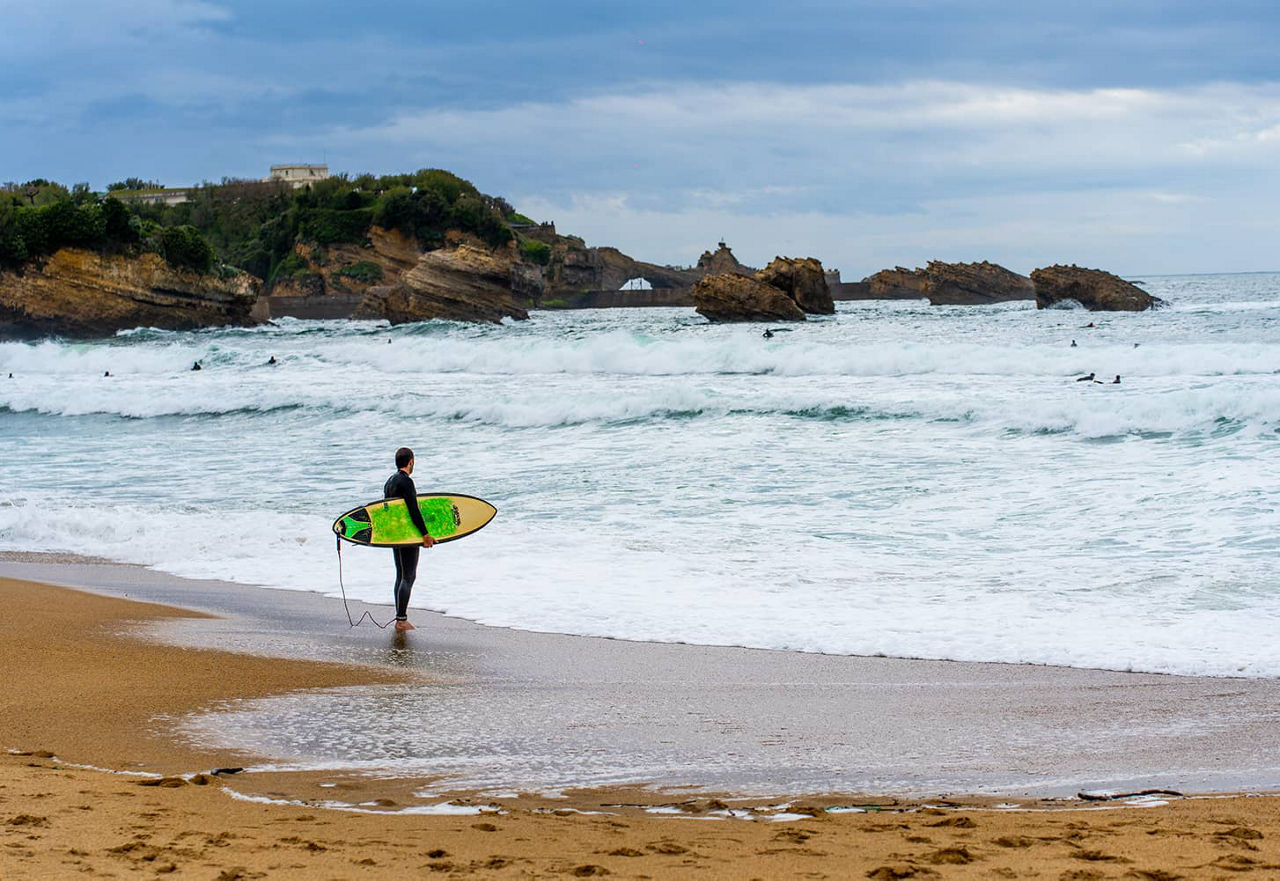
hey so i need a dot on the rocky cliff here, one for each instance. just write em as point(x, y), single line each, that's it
point(78, 293)
point(577, 269)
point(1094, 289)
point(465, 283)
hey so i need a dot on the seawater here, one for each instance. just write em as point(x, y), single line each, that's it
point(899, 479)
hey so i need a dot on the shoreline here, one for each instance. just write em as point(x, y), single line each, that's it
point(540, 712)
point(84, 682)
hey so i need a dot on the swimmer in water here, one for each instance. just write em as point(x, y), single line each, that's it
point(1116, 381)
point(1073, 344)
point(1088, 378)
point(196, 366)
point(272, 360)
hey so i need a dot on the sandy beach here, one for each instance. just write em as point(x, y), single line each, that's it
point(100, 779)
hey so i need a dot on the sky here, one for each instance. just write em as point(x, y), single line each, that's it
point(1137, 136)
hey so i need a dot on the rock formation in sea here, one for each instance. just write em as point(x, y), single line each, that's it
point(801, 279)
point(975, 284)
point(1095, 289)
point(898, 283)
point(952, 284)
point(783, 291)
point(80, 293)
point(464, 283)
point(721, 260)
point(727, 296)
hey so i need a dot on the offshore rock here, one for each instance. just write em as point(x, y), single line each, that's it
point(803, 280)
point(952, 284)
point(462, 284)
point(731, 297)
point(80, 293)
point(1095, 289)
point(720, 262)
point(974, 284)
point(898, 283)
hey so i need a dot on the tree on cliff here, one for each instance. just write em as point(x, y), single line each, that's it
point(253, 225)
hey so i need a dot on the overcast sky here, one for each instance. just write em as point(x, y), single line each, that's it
point(1133, 135)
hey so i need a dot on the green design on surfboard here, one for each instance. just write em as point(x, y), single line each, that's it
point(390, 521)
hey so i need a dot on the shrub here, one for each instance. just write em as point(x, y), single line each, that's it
point(327, 226)
point(117, 222)
point(536, 252)
point(365, 271)
point(184, 248)
point(293, 264)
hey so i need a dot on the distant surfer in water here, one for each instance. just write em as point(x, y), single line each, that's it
point(400, 486)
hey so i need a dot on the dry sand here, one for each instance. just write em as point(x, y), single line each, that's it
point(78, 689)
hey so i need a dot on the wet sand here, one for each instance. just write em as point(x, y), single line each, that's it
point(504, 709)
point(88, 682)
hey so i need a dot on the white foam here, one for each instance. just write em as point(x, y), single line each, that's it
point(901, 480)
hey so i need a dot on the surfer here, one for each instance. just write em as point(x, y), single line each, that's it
point(1088, 378)
point(1073, 344)
point(400, 486)
point(1116, 381)
point(272, 361)
point(196, 366)
point(768, 334)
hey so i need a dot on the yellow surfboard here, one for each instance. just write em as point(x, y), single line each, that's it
point(386, 523)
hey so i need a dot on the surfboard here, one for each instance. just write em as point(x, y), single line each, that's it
point(385, 523)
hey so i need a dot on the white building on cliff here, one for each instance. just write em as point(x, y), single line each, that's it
point(299, 175)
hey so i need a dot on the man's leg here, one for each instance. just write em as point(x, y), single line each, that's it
point(406, 574)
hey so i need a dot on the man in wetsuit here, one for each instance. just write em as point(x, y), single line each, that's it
point(400, 486)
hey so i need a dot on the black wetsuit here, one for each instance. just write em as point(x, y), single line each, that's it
point(400, 486)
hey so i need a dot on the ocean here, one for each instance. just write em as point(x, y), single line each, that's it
point(899, 479)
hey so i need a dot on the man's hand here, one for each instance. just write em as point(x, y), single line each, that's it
point(428, 541)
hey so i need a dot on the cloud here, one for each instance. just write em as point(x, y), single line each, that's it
point(969, 168)
point(1122, 230)
point(791, 137)
point(765, 116)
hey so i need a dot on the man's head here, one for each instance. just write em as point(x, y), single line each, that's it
point(404, 458)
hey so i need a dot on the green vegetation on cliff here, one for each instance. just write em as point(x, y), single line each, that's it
point(252, 225)
point(255, 225)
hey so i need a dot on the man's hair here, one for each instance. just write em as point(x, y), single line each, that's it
point(403, 455)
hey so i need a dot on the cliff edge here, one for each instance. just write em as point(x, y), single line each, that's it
point(81, 293)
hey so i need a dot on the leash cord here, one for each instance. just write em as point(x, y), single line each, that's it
point(350, 620)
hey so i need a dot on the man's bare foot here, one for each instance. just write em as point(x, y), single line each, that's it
point(404, 625)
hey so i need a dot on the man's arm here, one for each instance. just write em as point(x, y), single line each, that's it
point(409, 493)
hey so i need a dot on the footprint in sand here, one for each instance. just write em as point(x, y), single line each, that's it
point(955, 856)
point(956, 822)
point(669, 848)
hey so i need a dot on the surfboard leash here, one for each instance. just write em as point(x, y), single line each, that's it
point(343, 587)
